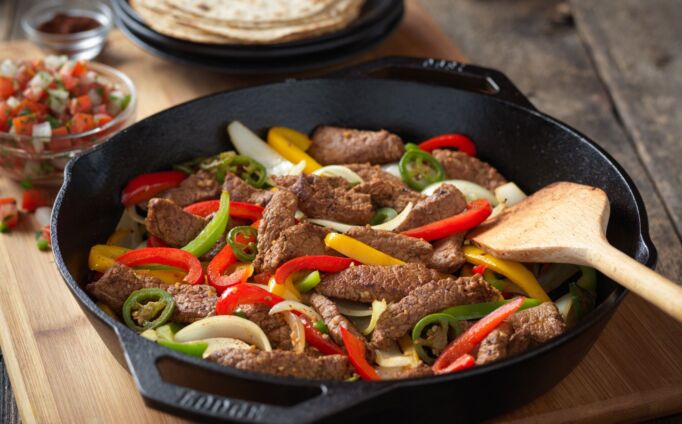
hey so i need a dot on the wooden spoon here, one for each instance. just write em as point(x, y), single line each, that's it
point(566, 223)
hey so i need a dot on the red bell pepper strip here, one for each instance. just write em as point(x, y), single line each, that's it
point(238, 210)
point(243, 294)
point(9, 215)
point(145, 186)
point(475, 213)
point(320, 263)
point(459, 141)
point(153, 241)
point(166, 256)
point(468, 340)
point(316, 340)
point(463, 362)
point(239, 276)
point(356, 354)
point(33, 199)
point(478, 269)
point(219, 264)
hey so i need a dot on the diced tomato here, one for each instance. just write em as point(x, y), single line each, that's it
point(59, 131)
point(45, 234)
point(33, 199)
point(102, 119)
point(9, 215)
point(6, 87)
point(59, 144)
point(80, 104)
point(79, 69)
point(69, 82)
point(33, 94)
point(82, 122)
point(23, 125)
point(24, 76)
point(99, 109)
point(5, 114)
point(33, 106)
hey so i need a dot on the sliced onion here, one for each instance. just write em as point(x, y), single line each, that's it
point(292, 305)
point(564, 304)
point(220, 343)
point(395, 222)
point(470, 190)
point(298, 168)
point(510, 194)
point(378, 308)
point(393, 169)
point(393, 358)
point(336, 226)
point(249, 144)
point(230, 326)
point(497, 210)
point(43, 215)
point(297, 331)
point(340, 171)
point(132, 213)
point(353, 309)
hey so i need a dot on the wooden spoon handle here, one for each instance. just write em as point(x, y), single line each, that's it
point(631, 274)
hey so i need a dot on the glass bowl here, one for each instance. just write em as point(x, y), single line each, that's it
point(83, 45)
point(42, 160)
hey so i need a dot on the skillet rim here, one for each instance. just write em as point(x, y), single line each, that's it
point(609, 305)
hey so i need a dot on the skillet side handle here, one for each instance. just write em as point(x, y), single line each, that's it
point(443, 72)
point(327, 400)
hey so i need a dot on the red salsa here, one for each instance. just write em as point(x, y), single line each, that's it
point(62, 23)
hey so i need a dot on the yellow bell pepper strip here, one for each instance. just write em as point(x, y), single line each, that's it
point(291, 152)
point(168, 276)
point(286, 291)
point(297, 138)
point(516, 272)
point(361, 252)
point(209, 236)
point(102, 257)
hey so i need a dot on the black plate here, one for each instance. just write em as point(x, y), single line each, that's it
point(374, 13)
point(416, 98)
point(266, 64)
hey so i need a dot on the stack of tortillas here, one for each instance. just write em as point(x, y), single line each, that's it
point(246, 21)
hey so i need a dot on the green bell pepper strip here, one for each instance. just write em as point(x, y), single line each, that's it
point(152, 300)
point(190, 348)
point(383, 215)
point(419, 169)
point(209, 236)
point(321, 327)
point(479, 310)
point(247, 169)
point(588, 279)
point(490, 277)
point(309, 282)
point(242, 240)
point(446, 322)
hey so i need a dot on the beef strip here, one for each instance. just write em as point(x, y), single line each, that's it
point(192, 302)
point(421, 370)
point(299, 240)
point(389, 194)
point(167, 221)
point(199, 186)
point(408, 249)
point(328, 198)
point(334, 320)
point(443, 203)
point(365, 283)
point(369, 172)
point(240, 191)
point(460, 166)
point(334, 145)
point(285, 363)
point(448, 255)
point(432, 297)
point(277, 216)
point(273, 326)
point(523, 330)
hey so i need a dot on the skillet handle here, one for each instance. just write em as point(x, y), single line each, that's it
point(311, 401)
point(440, 72)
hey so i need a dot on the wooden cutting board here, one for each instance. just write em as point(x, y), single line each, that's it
point(62, 372)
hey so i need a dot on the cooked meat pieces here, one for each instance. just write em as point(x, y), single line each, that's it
point(334, 145)
point(421, 370)
point(192, 302)
point(167, 221)
point(114, 287)
point(445, 202)
point(369, 172)
point(277, 217)
point(365, 283)
point(333, 318)
point(285, 363)
point(448, 255)
point(521, 331)
point(240, 191)
point(389, 193)
point(273, 326)
point(408, 249)
point(460, 166)
point(432, 297)
point(199, 186)
point(329, 198)
point(299, 240)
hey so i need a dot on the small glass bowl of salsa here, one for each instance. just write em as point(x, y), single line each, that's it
point(53, 108)
point(77, 29)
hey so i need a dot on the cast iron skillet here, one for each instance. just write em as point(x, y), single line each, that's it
point(416, 98)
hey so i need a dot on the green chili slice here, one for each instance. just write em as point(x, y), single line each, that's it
point(419, 169)
point(148, 308)
point(434, 331)
point(190, 348)
point(209, 236)
point(321, 327)
point(248, 169)
point(383, 215)
point(242, 239)
point(412, 146)
point(309, 282)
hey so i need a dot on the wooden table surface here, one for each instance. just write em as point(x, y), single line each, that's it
point(574, 59)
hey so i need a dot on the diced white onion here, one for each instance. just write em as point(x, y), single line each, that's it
point(95, 97)
point(292, 305)
point(42, 215)
point(297, 331)
point(57, 100)
point(41, 80)
point(13, 102)
point(8, 68)
point(353, 309)
point(249, 144)
point(397, 221)
point(41, 134)
point(54, 62)
point(230, 326)
point(90, 77)
point(378, 308)
point(339, 171)
point(220, 343)
point(392, 168)
point(471, 191)
point(510, 194)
